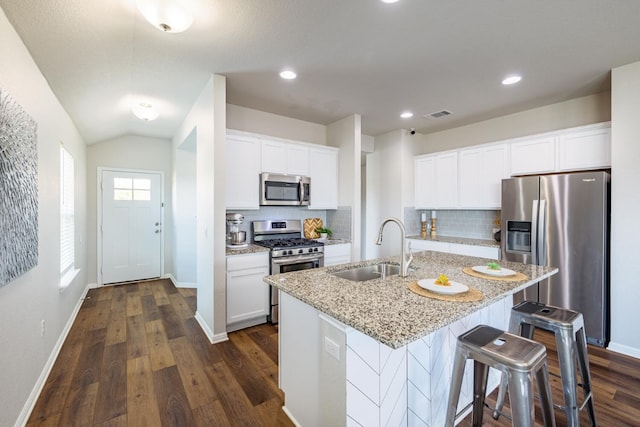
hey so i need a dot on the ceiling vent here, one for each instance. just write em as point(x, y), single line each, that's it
point(438, 114)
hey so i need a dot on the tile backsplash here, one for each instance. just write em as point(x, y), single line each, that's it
point(339, 221)
point(474, 224)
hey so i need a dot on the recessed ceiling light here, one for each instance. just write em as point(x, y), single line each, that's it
point(144, 111)
point(406, 115)
point(288, 74)
point(389, 1)
point(513, 79)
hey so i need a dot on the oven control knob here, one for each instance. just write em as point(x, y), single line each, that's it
point(289, 252)
point(300, 251)
point(315, 249)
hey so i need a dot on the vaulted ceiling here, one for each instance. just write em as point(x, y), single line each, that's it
point(351, 56)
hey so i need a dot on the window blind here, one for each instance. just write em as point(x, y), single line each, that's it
point(67, 214)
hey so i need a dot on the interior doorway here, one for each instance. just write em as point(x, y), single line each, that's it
point(130, 242)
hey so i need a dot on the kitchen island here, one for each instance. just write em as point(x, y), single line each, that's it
point(374, 352)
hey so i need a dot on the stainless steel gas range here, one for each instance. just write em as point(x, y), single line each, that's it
point(289, 251)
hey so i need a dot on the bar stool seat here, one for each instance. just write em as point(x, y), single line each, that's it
point(571, 342)
point(519, 359)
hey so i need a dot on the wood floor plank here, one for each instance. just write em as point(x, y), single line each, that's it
point(172, 323)
point(211, 414)
point(134, 304)
point(149, 308)
point(101, 314)
point(117, 327)
point(180, 306)
point(235, 402)
point(136, 337)
point(196, 384)
point(172, 400)
point(142, 406)
point(79, 409)
point(247, 374)
point(159, 294)
point(112, 390)
point(159, 349)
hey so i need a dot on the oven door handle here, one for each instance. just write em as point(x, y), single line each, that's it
point(296, 259)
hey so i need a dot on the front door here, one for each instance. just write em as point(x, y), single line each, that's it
point(131, 228)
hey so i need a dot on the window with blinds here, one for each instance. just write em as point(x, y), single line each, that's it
point(67, 214)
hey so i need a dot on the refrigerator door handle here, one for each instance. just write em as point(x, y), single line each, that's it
point(541, 239)
point(534, 232)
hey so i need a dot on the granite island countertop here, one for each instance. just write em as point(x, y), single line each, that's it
point(387, 310)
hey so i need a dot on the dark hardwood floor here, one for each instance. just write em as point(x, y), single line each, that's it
point(136, 356)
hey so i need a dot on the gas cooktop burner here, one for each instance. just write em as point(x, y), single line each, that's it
point(288, 243)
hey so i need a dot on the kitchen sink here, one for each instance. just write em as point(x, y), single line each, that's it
point(369, 272)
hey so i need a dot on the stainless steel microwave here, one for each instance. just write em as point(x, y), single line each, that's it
point(284, 190)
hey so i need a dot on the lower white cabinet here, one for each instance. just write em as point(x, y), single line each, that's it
point(455, 248)
point(337, 254)
point(247, 294)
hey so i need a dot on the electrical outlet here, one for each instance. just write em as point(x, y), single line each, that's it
point(332, 347)
point(42, 328)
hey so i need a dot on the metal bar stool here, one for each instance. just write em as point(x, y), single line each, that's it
point(571, 342)
point(517, 358)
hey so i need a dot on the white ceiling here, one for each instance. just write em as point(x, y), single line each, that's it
point(351, 56)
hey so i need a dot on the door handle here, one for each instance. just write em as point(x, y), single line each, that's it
point(157, 224)
point(157, 231)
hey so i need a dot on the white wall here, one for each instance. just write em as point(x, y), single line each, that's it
point(346, 135)
point(127, 152)
point(25, 356)
point(575, 112)
point(208, 118)
point(625, 198)
point(184, 213)
point(250, 120)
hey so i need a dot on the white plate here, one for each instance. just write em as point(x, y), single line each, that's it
point(490, 272)
point(455, 288)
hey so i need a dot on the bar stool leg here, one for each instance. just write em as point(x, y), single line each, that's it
point(459, 362)
point(480, 375)
point(544, 388)
point(583, 363)
point(522, 409)
point(565, 343)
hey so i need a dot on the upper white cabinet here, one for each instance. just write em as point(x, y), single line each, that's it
point(586, 149)
point(243, 170)
point(480, 174)
point(471, 178)
point(436, 181)
point(535, 155)
point(286, 158)
point(323, 170)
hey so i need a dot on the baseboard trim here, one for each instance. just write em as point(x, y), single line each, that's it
point(291, 417)
point(179, 284)
point(46, 370)
point(213, 338)
point(624, 349)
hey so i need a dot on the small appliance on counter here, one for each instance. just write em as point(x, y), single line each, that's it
point(235, 238)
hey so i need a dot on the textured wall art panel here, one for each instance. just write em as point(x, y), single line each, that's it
point(18, 190)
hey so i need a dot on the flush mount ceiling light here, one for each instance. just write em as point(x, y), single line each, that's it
point(406, 115)
point(288, 74)
point(169, 16)
point(389, 1)
point(512, 79)
point(144, 111)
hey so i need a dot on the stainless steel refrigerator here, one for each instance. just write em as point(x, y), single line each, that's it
point(562, 220)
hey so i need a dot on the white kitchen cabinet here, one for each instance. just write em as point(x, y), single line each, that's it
point(474, 250)
point(480, 173)
point(586, 148)
point(243, 170)
point(284, 157)
point(323, 170)
point(247, 294)
point(337, 254)
point(455, 248)
point(436, 181)
point(534, 155)
point(424, 183)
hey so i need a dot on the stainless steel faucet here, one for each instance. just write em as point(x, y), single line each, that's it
point(405, 260)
